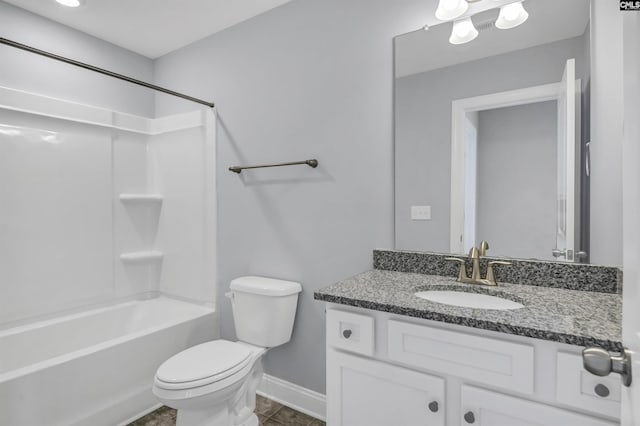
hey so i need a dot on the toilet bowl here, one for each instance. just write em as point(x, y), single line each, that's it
point(214, 383)
point(208, 384)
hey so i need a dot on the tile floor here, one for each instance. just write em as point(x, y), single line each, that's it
point(270, 413)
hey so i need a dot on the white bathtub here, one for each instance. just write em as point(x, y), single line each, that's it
point(95, 367)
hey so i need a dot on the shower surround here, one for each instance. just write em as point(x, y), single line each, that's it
point(95, 256)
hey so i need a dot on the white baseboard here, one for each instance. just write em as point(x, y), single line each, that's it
point(301, 399)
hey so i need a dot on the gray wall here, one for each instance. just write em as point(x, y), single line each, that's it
point(310, 79)
point(423, 129)
point(32, 73)
point(517, 180)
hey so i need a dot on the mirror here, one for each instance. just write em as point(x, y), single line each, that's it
point(492, 136)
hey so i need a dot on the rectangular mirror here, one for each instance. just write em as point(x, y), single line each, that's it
point(492, 135)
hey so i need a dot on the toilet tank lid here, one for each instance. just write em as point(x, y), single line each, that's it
point(265, 286)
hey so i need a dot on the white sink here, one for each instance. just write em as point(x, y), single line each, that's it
point(469, 300)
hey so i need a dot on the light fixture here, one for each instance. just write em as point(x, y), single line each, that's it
point(71, 3)
point(451, 9)
point(511, 15)
point(463, 32)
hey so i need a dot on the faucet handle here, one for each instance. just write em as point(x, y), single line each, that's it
point(483, 248)
point(462, 273)
point(491, 278)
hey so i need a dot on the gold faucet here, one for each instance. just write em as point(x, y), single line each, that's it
point(475, 254)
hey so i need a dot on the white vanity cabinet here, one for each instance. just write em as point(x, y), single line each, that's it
point(390, 370)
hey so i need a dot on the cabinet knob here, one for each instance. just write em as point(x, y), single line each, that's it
point(433, 406)
point(346, 333)
point(469, 417)
point(602, 390)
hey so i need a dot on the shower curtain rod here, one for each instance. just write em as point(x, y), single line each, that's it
point(102, 71)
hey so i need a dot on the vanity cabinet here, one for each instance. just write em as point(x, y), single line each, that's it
point(384, 369)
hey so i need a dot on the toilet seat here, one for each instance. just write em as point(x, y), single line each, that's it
point(204, 365)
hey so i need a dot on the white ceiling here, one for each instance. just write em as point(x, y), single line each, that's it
point(150, 27)
point(549, 21)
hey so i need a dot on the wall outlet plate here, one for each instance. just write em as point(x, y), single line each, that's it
point(420, 212)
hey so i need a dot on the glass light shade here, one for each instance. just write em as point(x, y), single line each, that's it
point(71, 3)
point(511, 15)
point(451, 9)
point(463, 32)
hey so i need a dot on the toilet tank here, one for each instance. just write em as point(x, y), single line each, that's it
point(264, 309)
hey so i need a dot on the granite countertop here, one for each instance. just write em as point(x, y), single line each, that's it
point(584, 318)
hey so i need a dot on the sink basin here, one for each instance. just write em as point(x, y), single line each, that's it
point(469, 300)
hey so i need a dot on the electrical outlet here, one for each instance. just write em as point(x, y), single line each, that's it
point(420, 212)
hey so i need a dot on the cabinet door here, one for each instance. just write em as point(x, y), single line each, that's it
point(364, 392)
point(485, 408)
point(576, 387)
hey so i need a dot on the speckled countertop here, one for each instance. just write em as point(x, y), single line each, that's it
point(584, 318)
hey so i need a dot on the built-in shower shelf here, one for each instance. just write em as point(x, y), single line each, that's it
point(141, 198)
point(141, 256)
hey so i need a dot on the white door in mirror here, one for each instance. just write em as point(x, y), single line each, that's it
point(568, 103)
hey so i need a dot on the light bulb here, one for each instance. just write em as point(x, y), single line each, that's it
point(463, 32)
point(451, 9)
point(71, 3)
point(511, 15)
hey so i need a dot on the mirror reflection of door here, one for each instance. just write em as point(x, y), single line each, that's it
point(520, 187)
point(568, 183)
point(515, 181)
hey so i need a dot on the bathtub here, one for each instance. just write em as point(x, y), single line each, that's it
point(95, 367)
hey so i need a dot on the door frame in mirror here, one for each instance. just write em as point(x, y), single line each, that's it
point(459, 110)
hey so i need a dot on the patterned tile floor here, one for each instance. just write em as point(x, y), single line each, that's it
point(270, 413)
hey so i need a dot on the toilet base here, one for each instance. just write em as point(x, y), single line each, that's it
point(216, 416)
point(230, 406)
point(251, 421)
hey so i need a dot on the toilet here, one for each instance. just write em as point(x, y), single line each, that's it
point(214, 383)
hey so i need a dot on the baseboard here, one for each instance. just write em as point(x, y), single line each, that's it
point(301, 399)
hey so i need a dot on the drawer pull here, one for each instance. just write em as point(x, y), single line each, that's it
point(433, 406)
point(602, 390)
point(347, 333)
point(469, 417)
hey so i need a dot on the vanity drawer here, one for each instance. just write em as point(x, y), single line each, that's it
point(351, 332)
point(481, 407)
point(484, 360)
point(578, 388)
